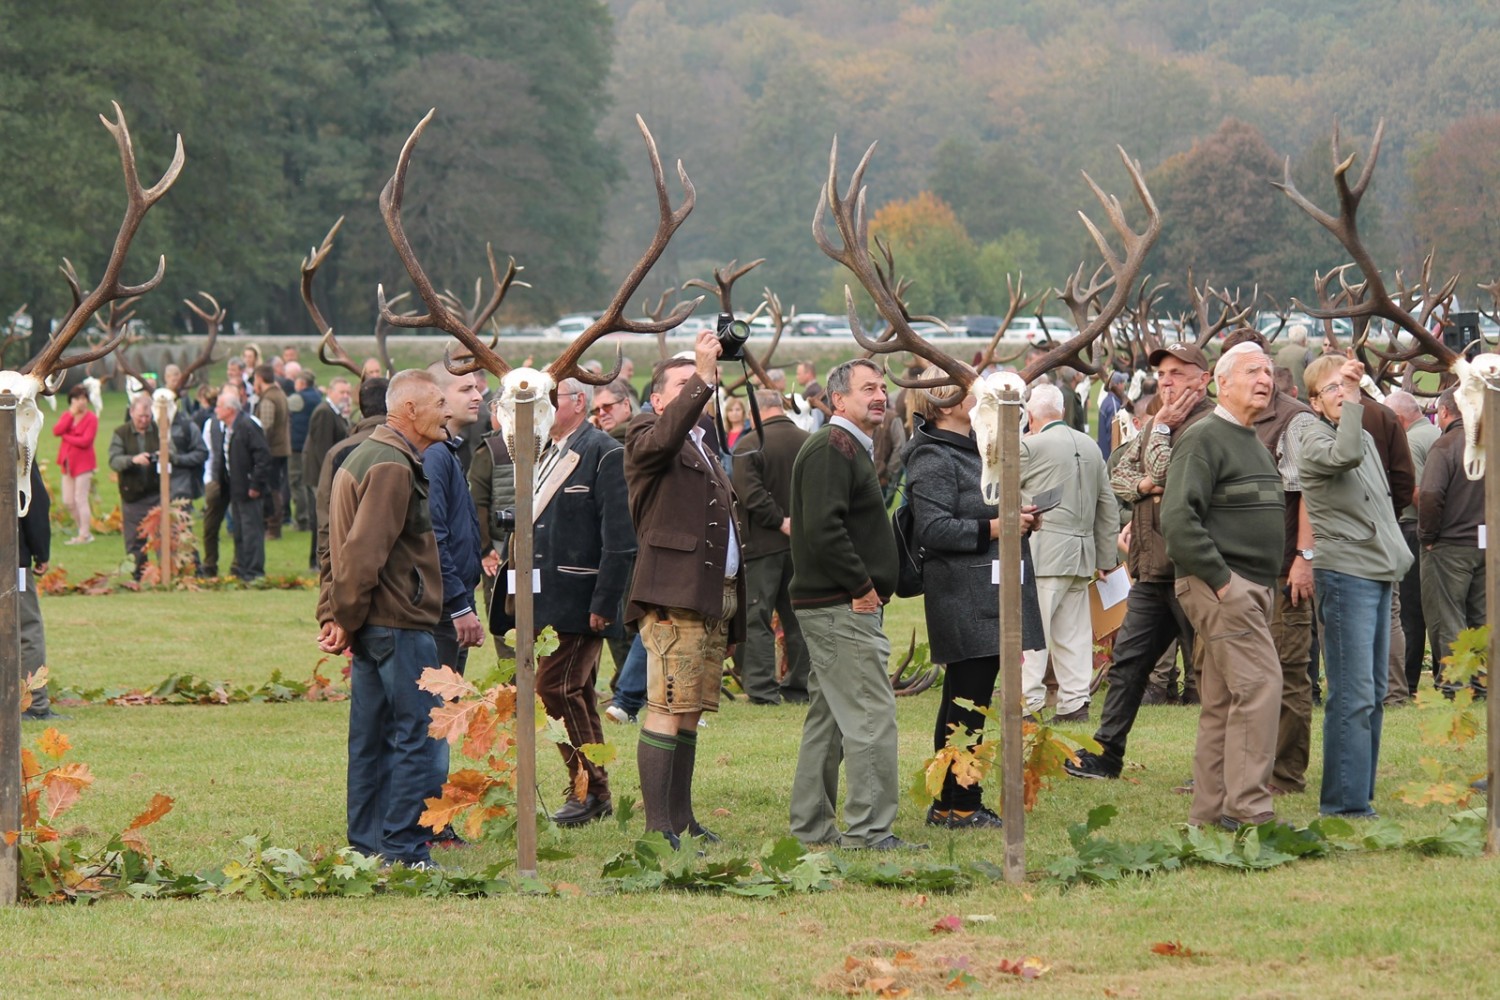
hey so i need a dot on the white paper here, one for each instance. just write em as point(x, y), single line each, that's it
point(995, 572)
point(536, 580)
point(1482, 536)
point(1114, 587)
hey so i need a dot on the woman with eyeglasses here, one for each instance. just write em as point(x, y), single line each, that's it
point(1358, 557)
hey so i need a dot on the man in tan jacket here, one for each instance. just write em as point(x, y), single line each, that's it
point(275, 418)
point(385, 596)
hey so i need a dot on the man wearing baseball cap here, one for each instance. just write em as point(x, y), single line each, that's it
point(1153, 618)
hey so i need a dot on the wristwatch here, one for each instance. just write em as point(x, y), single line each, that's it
point(1161, 429)
point(1306, 554)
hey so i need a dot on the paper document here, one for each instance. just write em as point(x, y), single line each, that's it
point(1114, 587)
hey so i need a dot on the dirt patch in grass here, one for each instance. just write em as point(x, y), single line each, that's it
point(947, 965)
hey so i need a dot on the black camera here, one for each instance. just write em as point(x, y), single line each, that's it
point(503, 521)
point(732, 334)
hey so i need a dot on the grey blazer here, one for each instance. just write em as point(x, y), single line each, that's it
point(953, 530)
point(1078, 536)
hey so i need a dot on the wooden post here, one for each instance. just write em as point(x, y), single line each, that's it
point(521, 549)
point(1491, 423)
point(10, 654)
point(1013, 794)
point(164, 467)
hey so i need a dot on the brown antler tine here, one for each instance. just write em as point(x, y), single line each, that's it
point(330, 352)
point(138, 202)
point(213, 320)
point(613, 318)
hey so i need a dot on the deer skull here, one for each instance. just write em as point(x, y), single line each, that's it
point(986, 420)
point(526, 385)
point(164, 405)
point(28, 428)
point(96, 393)
point(1475, 378)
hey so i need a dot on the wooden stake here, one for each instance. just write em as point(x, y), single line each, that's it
point(10, 653)
point(1013, 792)
point(164, 467)
point(521, 549)
point(1490, 422)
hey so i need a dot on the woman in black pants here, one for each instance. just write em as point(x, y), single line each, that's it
point(957, 532)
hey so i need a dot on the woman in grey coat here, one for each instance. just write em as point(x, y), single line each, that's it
point(957, 533)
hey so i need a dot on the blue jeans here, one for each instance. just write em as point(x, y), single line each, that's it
point(1356, 617)
point(630, 689)
point(393, 763)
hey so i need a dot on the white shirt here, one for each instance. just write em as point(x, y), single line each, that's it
point(732, 558)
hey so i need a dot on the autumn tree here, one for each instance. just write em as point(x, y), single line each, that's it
point(933, 249)
point(1456, 200)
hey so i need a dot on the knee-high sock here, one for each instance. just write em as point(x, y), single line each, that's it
point(655, 760)
point(682, 781)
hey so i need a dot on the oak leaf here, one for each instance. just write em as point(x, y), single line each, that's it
point(476, 819)
point(1172, 949)
point(446, 683)
point(450, 720)
point(948, 925)
point(1029, 967)
point(29, 767)
point(602, 754)
point(54, 744)
point(65, 784)
point(440, 812)
point(502, 699)
point(159, 807)
point(479, 739)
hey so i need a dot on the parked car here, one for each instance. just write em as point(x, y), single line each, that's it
point(974, 326)
point(569, 326)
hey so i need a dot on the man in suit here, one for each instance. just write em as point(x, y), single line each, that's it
point(1074, 543)
point(242, 467)
point(763, 480)
point(327, 425)
point(687, 593)
point(585, 547)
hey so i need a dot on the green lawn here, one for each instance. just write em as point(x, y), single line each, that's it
point(1384, 925)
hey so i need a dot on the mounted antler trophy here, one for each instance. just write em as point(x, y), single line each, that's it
point(43, 374)
point(1369, 298)
point(877, 276)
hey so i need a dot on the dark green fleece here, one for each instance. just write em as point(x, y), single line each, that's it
point(842, 545)
point(1223, 508)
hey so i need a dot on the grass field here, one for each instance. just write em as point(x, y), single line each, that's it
point(1387, 925)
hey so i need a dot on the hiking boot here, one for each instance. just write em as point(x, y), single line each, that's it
point(1090, 765)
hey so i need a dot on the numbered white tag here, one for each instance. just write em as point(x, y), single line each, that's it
point(21, 575)
point(1483, 536)
point(536, 580)
point(995, 572)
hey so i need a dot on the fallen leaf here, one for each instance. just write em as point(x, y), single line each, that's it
point(879, 986)
point(905, 958)
point(721, 812)
point(159, 807)
point(917, 902)
point(850, 963)
point(1172, 949)
point(948, 925)
point(1029, 967)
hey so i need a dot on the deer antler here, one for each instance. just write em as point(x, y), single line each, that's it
point(49, 361)
point(656, 315)
point(120, 315)
point(1375, 299)
point(1018, 301)
point(1230, 313)
point(330, 352)
point(213, 320)
point(759, 367)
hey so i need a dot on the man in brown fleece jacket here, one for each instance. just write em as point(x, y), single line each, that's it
point(384, 599)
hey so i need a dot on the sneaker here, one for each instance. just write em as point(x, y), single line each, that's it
point(1077, 715)
point(1232, 824)
point(577, 812)
point(938, 817)
point(979, 819)
point(703, 833)
point(893, 843)
point(1090, 765)
point(615, 713)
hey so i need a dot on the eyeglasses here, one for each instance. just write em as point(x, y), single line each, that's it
point(1330, 387)
point(604, 408)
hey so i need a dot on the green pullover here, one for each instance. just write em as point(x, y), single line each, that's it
point(842, 545)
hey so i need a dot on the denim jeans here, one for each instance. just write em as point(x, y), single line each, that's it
point(630, 690)
point(1356, 617)
point(393, 763)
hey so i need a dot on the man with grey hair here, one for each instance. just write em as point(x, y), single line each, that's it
point(1223, 520)
point(844, 571)
point(455, 523)
point(132, 456)
point(327, 425)
point(1421, 435)
point(242, 467)
point(763, 479)
point(585, 546)
point(1075, 543)
point(1294, 357)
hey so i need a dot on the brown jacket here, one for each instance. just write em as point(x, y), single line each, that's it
point(385, 568)
point(276, 420)
point(1147, 557)
point(1450, 508)
point(681, 505)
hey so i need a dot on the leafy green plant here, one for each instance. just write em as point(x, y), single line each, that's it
point(189, 689)
point(1448, 721)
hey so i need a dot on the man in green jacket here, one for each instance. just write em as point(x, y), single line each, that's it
point(1222, 519)
point(843, 572)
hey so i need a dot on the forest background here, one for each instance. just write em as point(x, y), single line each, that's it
point(987, 112)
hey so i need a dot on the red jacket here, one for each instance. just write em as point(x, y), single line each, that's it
point(76, 453)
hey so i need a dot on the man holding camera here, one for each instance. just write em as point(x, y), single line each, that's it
point(132, 455)
point(687, 594)
point(585, 547)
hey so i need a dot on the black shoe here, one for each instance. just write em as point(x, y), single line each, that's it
point(1482, 785)
point(1155, 695)
point(1090, 765)
point(979, 819)
point(703, 833)
point(893, 843)
point(795, 697)
point(577, 812)
point(1231, 824)
point(938, 817)
point(1077, 715)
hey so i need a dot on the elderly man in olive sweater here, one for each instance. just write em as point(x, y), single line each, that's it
point(1222, 519)
point(844, 571)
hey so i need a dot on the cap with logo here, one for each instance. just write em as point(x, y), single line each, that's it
point(1182, 351)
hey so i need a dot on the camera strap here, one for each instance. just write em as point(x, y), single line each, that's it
point(755, 420)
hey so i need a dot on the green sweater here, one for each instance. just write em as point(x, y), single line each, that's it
point(1223, 509)
point(842, 545)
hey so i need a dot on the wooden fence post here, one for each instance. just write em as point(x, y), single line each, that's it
point(1491, 425)
point(164, 467)
point(1013, 800)
point(521, 550)
point(10, 654)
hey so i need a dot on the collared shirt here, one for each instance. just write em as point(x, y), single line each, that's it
point(864, 439)
point(732, 557)
point(551, 455)
point(1219, 411)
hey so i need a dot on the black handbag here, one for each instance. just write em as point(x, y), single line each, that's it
point(908, 553)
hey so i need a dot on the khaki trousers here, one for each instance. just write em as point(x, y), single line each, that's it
point(1396, 691)
point(1292, 631)
point(1241, 693)
point(851, 718)
point(1069, 630)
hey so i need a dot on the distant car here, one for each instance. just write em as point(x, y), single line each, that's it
point(974, 326)
point(1267, 323)
point(1029, 329)
point(570, 326)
